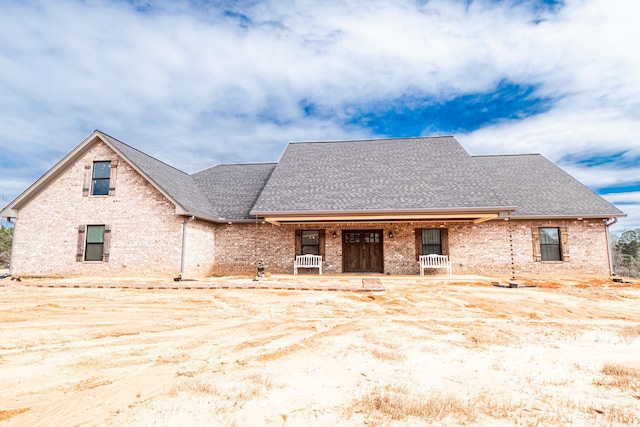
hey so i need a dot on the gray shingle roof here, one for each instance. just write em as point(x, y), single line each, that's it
point(540, 188)
point(363, 176)
point(177, 184)
point(232, 190)
point(420, 173)
point(224, 192)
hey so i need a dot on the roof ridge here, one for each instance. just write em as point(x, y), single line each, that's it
point(337, 141)
point(233, 164)
point(507, 155)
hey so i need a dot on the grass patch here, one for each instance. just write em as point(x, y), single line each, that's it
point(387, 355)
point(630, 332)
point(619, 376)
point(397, 403)
point(195, 387)
point(253, 385)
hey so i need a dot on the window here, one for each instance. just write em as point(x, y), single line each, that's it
point(94, 248)
point(100, 178)
point(372, 237)
point(550, 244)
point(310, 243)
point(431, 241)
point(93, 243)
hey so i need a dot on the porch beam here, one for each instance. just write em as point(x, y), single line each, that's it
point(485, 218)
point(473, 217)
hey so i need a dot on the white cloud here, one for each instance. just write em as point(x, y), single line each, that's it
point(194, 88)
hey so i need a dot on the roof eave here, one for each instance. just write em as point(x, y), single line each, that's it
point(475, 215)
point(385, 211)
point(574, 216)
point(220, 220)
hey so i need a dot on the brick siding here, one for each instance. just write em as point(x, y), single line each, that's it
point(483, 248)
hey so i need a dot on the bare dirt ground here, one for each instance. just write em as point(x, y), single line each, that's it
point(423, 352)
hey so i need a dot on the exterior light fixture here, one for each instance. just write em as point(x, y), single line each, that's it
point(334, 234)
point(391, 234)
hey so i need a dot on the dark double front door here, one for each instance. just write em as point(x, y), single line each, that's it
point(362, 251)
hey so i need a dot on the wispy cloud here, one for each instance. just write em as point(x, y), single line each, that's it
point(198, 82)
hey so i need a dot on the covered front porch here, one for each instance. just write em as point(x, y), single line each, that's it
point(383, 242)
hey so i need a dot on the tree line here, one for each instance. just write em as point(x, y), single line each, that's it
point(625, 251)
point(6, 237)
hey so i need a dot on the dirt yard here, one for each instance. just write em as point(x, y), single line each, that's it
point(423, 352)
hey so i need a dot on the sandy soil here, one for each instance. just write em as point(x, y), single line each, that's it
point(424, 352)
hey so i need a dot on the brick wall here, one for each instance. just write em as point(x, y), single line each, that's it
point(146, 234)
point(483, 248)
point(200, 249)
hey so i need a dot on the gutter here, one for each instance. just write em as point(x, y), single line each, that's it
point(219, 220)
point(574, 216)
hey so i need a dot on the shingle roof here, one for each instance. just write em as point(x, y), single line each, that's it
point(223, 192)
point(411, 173)
point(540, 188)
point(406, 174)
point(232, 190)
point(420, 173)
point(177, 184)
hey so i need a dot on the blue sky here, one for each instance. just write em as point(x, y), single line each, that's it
point(196, 83)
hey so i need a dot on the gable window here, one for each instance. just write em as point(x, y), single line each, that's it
point(550, 244)
point(101, 178)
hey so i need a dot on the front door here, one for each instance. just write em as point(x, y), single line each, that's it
point(362, 251)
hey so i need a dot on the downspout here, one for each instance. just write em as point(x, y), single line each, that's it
point(607, 225)
point(184, 245)
point(13, 240)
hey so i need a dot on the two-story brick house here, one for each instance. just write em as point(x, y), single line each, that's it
point(369, 206)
